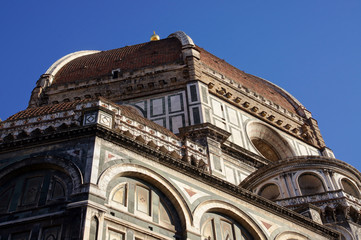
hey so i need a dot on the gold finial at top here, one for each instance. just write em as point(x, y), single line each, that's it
point(154, 37)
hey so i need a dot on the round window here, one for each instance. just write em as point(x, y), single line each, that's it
point(268, 142)
point(270, 191)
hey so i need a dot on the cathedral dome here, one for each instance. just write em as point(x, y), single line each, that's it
point(102, 63)
point(87, 65)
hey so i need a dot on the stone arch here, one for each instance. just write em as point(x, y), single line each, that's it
point(267, 142)
point(117, 195)
point(309, 184)
point(63, 165)
point(231, 211)
point(288, 235)
point(148, 175)
point(270, 191)
point(57, 189)
point(349, 187)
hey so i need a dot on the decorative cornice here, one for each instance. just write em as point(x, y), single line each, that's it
point(244, 155)
point(204, 130)
point(262, 108)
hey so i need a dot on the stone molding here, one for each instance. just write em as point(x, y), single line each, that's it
point(264, 109)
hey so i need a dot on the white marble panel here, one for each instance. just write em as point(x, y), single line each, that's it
point(217, 108)
point(160, 122)
point(157, 106)
point(175, 103)
point(237, 137)
point(314, 152)
point(232, 116)
point(220, 124)
point(303, 149)
point(229, 174)
point(176, 123)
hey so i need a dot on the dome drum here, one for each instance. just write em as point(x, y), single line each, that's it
point(330, 185)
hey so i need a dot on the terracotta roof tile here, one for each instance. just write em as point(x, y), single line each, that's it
point(165, 51)
point(101, 64)
point(48, 109)
point(249, 81)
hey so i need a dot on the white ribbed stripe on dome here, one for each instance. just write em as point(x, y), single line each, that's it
point(183, 38)
point(64, 60)
point(187, 41)
point(285, 94)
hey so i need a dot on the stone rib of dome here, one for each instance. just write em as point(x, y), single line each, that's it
point(101, 64)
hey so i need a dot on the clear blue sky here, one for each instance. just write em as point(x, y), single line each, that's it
point(311, 48)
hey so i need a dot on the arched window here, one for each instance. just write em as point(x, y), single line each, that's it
point(350, 188)
point(27, 189)
point(120, 194)
point(221, 227)
point(310, 184)
point(57, 189)
point(165, 217)
point(266, 149)
point(5, 197)
point(146, 202)
point(143, 199)
point(268, 142)
point(270, 191)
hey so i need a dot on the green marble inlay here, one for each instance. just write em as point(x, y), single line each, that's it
point(196, 115)
point(193, 92)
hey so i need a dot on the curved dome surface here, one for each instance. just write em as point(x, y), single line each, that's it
point(166, 51)
point(259, 85)
point(137, 56)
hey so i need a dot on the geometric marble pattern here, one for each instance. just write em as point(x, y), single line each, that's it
point(191, 193)
point(109, 156)
point(105, 119)
point(268, 226)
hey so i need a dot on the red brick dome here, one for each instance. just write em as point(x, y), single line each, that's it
point(86, 65)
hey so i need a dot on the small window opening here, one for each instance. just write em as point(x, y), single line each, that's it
point(115, 74)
